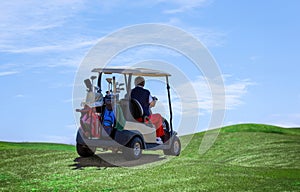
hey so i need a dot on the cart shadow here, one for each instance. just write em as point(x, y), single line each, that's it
point(114, 160)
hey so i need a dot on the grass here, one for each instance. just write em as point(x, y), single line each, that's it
point(247, 157)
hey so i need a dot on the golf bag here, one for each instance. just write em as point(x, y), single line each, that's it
point(90, 123)
point(108, 118)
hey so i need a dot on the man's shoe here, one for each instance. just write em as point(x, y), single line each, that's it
point(158, 140)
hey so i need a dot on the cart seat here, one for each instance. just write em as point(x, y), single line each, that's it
point(136, 109)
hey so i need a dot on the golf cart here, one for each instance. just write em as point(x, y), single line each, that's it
point(124, 133)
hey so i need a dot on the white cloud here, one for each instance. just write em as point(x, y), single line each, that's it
point(60, 46)
point(233, 95)
point(60, 139)
point(68, 100)
point(6, 73)
point(32, 49)
point(32, 15)
point(19, 96)
point(178, 6)
point(181, 6)
point(235, 91)
point(281, 120)
point(254, 58)
point(8, 66)
point(194, 98)
point(60, 85)
point(31, 22)
point(131, 56)
point(284, 120)
point(209, 37)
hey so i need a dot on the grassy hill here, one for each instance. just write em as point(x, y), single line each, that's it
point(247, 157)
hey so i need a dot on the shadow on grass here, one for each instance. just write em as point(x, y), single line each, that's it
point(105, 160)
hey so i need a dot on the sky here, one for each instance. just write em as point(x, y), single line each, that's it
point(42, 45)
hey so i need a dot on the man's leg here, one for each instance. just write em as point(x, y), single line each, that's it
point(156, 119)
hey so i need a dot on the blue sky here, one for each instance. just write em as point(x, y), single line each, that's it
point(255, 44)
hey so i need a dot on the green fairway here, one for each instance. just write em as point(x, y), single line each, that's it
point(246, 157)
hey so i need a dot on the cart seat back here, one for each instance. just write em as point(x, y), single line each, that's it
point(136, 109)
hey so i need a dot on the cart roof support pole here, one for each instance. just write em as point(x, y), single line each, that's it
point(129, 86)
point(99, 82)
point(170, 105)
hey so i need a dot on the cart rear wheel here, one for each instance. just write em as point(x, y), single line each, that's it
point(175, 147)
point(85, 151)
point(133, 149)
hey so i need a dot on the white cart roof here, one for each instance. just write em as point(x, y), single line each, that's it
point(132, 71)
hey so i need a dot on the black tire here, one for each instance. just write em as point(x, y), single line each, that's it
point(133, 149)
point(85, 151)
point(175, 147)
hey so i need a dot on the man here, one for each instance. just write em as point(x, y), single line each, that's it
point(144, 97)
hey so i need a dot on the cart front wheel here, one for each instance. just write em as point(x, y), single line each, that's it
point(175, 147)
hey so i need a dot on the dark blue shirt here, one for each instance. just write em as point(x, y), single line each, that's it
point(142, 95)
